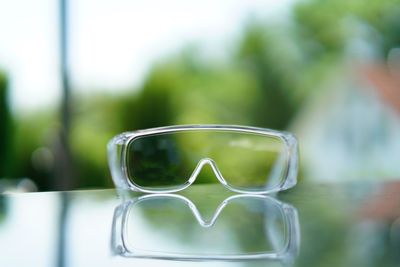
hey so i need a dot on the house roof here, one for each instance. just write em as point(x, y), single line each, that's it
point(385, 82)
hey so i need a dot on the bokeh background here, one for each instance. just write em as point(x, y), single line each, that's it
point(75, 73)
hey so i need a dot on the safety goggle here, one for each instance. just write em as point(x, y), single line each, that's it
point(169, 159)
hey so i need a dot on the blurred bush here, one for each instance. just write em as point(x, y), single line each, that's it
point(6, 129)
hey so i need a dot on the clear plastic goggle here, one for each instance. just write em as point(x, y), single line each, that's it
point(169, 159)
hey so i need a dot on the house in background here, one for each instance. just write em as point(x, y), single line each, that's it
point(351, 129)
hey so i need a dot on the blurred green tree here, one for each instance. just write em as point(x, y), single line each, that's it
point(6, 129)
point(264, 55)
point(34, 139)
point(324, 27)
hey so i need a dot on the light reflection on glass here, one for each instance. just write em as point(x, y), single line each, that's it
point(170, 226)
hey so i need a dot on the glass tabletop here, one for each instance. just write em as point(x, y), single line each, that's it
point(346, 224)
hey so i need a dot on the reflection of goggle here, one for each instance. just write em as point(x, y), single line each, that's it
point(169, 159)
point(243, 227)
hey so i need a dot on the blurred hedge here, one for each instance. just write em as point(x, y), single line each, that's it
point(6, 129)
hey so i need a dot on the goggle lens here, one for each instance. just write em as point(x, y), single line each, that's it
point(246, 161)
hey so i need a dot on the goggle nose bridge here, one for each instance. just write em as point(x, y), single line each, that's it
point(213, 166)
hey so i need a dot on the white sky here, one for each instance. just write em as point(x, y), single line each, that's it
point(112, 43)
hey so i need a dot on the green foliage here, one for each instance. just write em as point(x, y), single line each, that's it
point(318, 22)
point(6, 129)
point(191, 92)
point(324, 26)
point(95, 121)
point(263, 54)
point(35, 134)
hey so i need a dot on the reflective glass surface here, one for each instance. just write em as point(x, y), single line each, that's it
point(348, 224)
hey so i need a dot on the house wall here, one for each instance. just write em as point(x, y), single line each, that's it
point(347, 132)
